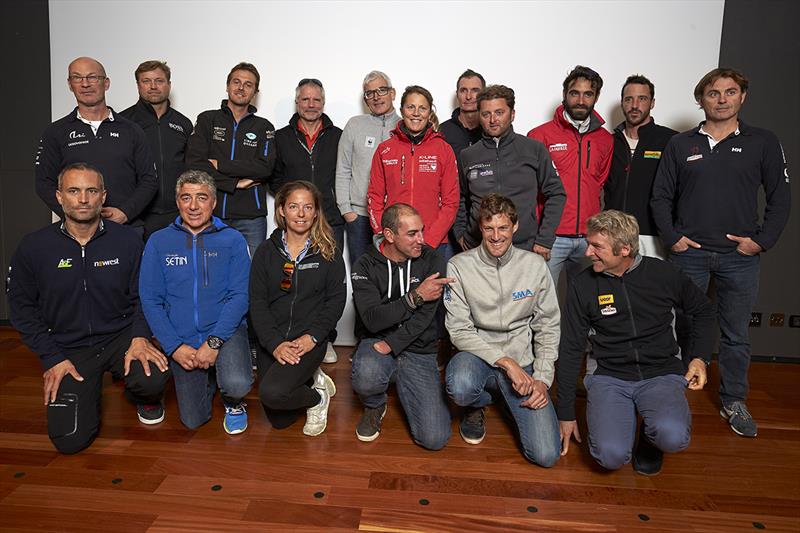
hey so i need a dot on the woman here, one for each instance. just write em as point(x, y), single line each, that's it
point(297, 295)
point(416, 166)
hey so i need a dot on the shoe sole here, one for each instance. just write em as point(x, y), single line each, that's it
point(150, 422)
point(234, 431)
point(320, 432)
point(643, 473)
point(727, 419)
point(471, 441)
point(370, 438)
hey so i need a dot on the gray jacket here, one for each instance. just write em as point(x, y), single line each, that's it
point(360, 138)
point(498, 307)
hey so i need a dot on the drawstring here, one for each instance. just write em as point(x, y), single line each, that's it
point(403, 288)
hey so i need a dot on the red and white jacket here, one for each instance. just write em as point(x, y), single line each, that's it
point(583, 162)
point(423, 175)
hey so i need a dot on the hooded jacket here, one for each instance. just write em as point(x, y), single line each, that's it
point(361, 136)
point(295, 161)
point(313, 304)
point(456, 135)
point(194, 286)
point(583, 161)
point(383, 311)
point(423, 175)
point(243, 150)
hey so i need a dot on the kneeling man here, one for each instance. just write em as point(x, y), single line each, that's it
point(623, 304)
point(502, 314)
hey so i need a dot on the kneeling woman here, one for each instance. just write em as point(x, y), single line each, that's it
point(297, 294)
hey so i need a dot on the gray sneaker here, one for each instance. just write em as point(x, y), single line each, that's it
point(369, 427)
point(739, 418)
point(473, 426)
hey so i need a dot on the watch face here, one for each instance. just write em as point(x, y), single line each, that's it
point(214, 343)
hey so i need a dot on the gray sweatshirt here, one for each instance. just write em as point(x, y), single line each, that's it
point(360, 138)
point(498, 307)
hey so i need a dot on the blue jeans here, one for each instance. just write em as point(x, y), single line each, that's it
point(419, 388)
point(232, 371)
point(736, 280)
point(611, 407)
point(569, 252)
point(359, 238)
point(469, 380)
point(254, 231)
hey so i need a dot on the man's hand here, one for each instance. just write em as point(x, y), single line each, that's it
point(206, 356)
point(54, 375)
point(431, 287)
point(304, 344)
point(213, 163)
point(543, 251)
point(568, 429)
point(521, 381)
point(245, 183)
point(746, 245)
point(539, 398)
point(287, 352)
point(350, 216)
point(142, 350)
point(683, 244)
point(696, 375)
point(114, 215)
point(382, 347)
point(186, 356)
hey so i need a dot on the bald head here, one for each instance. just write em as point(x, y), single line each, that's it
point(86, 64)
point(87, 80)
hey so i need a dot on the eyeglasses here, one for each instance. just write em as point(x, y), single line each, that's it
point(380, 91)
point(92, 79)
point(306, 81)
point(288, 271)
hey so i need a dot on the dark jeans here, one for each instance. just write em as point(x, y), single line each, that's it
point(736, 279)
point(285, 390)
point(359, 238)
point(254, 231)
point(73, 420)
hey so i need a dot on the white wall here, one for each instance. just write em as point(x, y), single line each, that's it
point(529, 46)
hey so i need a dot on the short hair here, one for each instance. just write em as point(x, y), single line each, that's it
point(426, 94)
point(196, 177)
point(497, 204)
point(249, 67)
point(717, 73)
point(391, 216)
point(469, 73)
point(153, 64)
point(497, 91)
point(374, 75)
point(621, 229)
point(309, 81)
point(639, 80)
point(80, 166)
point(583, 72)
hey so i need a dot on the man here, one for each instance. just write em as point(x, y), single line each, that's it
point(73, 296)
point(361, 136)
point(623, 304)
point(168, 132)
point(193, 287)
point(705, 204)
point(581, 150)
point(502, 314)
point(512, 163)
point(396, 289)
point(234, 146)
point(93, 134)
point(463, 129)
point(306, 150)
point(638, 145)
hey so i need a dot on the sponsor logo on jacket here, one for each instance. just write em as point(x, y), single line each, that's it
point(605, 299)
point(176, 127)
point(176, 260)
point(521, 295)
point(106, 262)
point(306, 266)
point(652, 154)
point(218, 134)
point(558, 147)
point(428, 163)
point(65, 263)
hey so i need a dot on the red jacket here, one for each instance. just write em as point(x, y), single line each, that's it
point(582, 161)
point(423, 175)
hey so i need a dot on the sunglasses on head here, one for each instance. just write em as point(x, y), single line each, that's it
point(288, 271)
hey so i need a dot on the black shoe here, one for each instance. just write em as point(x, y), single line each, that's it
point(369, 427)
point(647, 459)
point(473, 426)
point(150, 413)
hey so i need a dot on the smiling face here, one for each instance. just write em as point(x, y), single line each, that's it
point(498, 234)
point(407, 241)
point(242, 88)
point(153, 86)
point(299, 211)
point(379, 104)
point(600, 250)
point(416, 112)
point(196, 203)
point(88, 82)
point(81, 195)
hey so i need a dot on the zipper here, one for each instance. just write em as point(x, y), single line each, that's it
point(195, 289)
point(627, 175)
point(633, 327)
point(161, 175)
point(403, 170)
point(578, 212)
point(295, 283)
point(86, 287)
point(412, 174)
point(497, 179)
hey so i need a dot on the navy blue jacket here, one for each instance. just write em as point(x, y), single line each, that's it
point(194, 286)
point(64, 297)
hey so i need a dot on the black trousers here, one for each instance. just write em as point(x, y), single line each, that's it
point(285, 390)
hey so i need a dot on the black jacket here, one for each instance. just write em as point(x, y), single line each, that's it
point(168, 136)
point(628, 320)
point(120, 151)
point(382, 310)
point(317, 165)
point(312, 305)
point(63, 297)
point(456, 135)
point(243, 151)
point(630, 181)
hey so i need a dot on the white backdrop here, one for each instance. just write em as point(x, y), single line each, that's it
point(529, 46)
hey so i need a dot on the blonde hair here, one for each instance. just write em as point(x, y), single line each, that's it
point(322, 238)
point(426, 94)
point(620, 228)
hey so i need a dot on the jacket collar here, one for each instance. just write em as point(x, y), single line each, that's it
point(643, 128)
point(496, 261)
point(326, 122)
point(595, 120)
point(506, 139)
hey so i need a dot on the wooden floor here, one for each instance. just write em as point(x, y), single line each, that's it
point(138, 478)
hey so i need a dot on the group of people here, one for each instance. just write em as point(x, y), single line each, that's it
point(161, 264)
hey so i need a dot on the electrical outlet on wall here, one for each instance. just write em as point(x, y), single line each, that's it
point(794, 321)
point(755, 320)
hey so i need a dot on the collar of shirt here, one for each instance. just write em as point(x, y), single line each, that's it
point(95, 124)
point(310, 138)
point(302, 253)
point(711, 141)
point(581, 126)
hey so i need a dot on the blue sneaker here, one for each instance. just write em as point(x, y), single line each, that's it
point(235, 419)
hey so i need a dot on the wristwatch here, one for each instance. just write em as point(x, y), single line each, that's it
point(314, 339)
point(417, 298)
point(214, 342)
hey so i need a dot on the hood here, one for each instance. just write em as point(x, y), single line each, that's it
point(401, 271)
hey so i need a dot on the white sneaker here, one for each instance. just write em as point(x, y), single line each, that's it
point(330, 355)
point(323, 381)
point(317, 416)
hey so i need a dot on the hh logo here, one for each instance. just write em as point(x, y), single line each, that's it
point(605, 299)
point(114, 134)
point(65, 263)
point(521, 295)
point(736, 149)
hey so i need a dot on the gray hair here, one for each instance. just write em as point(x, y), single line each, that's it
point(374, 75)
point(80, 166)
point(196, 177)
point(620, 228)
point(314, 83)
